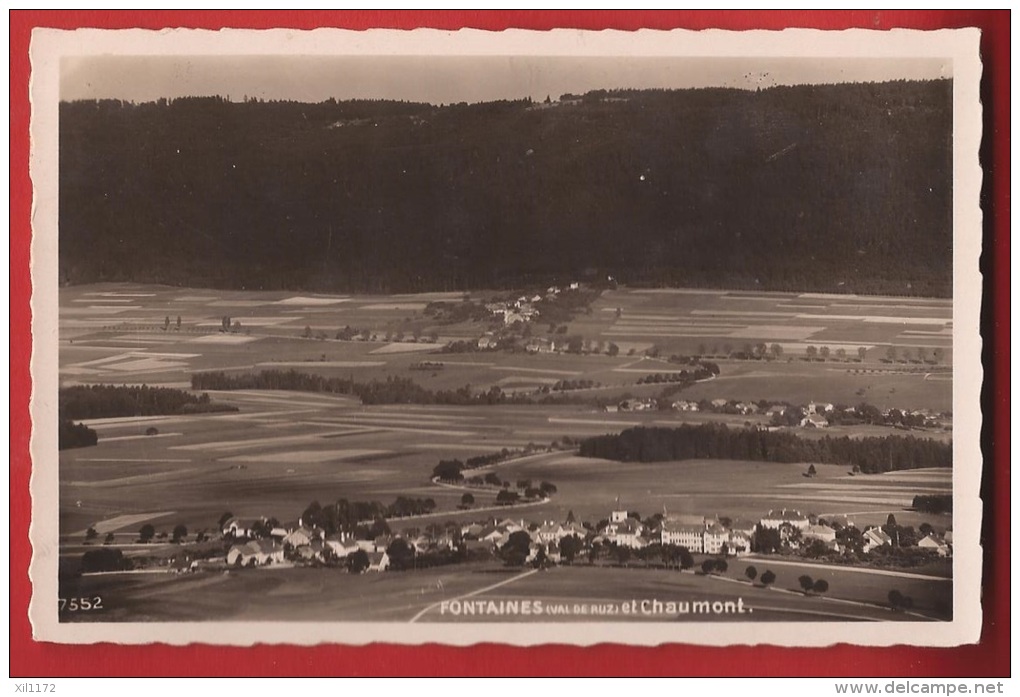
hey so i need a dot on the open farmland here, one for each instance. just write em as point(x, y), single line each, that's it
point(114, 333)
point(282, 450)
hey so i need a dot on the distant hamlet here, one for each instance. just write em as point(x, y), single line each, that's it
point(838, 188)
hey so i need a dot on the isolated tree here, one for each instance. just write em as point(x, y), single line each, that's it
point(307, 333)
point(180, 532)
point(811, 352)
point(178, 328)
point(91, 534)
point(166, 323)
point(109, 539)
point(721, 565)
point(811, 470)
point(895, 599)
point(751, 573)
point(821, 586)
point(146, 533)
point(768, 578)
point(861, 352)
point(357, 561)
point(806, 583)
point(891, 353)
point(841, 354)
point(708, 566)
point(891, 520)
point(824, 353)
point(467, 500)
point(613, 349)
point(777, 351)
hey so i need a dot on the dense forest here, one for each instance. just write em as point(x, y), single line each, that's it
point(104, 401)
point(716, 441)
point(842, 188)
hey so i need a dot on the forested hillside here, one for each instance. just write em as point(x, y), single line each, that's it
point(841, 188)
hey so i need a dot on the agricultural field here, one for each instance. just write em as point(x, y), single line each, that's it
point(120, 334)
point(281, 450)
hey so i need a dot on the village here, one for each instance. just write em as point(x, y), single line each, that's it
point(664, 540)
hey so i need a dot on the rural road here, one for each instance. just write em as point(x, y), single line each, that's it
point(486, 589)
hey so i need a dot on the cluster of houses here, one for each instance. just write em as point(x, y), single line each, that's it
point(812, 414)
point(699, 534)
point(256, 546)
point(301, 543)
point(522, 309)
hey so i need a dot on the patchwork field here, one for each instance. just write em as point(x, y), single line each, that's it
point(282, 450)
point(118, 333)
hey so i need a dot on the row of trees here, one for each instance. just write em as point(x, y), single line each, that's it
point(393, 390)
point(102, 401)
point(718, 441)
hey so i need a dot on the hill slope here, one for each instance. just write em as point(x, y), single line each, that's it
point(830, 188)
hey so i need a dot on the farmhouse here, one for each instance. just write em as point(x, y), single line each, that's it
point(300, 537)
point(814, 421)
point(776, 518)
point(625, 533)
point(237, 527)
point(378, 561)
point(684, 405)
point(341, 545)
point(932, 543)
point(255, 553)
point(819, 532)
point(549, 532)
point(876, 537)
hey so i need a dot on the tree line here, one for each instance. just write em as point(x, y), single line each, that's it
point(400, 197)
point(103, 401)
point(718, 441)
point(393, 390)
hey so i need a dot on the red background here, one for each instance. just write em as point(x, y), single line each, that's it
point(988, 658)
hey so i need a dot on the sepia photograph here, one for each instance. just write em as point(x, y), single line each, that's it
point(519, 337)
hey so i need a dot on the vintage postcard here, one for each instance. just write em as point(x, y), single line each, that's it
point(521, 337)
